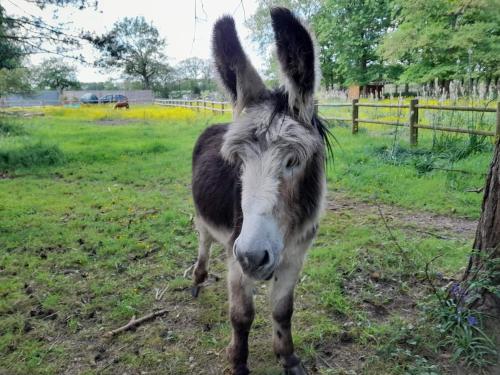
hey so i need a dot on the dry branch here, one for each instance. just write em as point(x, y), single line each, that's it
point(136, 322)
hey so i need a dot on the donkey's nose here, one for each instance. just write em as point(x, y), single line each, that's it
point(253, 260)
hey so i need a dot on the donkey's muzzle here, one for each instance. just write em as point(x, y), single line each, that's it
point(258, 263)
point(258, 247)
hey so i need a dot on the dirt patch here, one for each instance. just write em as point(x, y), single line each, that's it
point(424, 223)
point(114, 122)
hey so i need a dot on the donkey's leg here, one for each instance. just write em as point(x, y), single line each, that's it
point(284, 280)
point(200, 272)
point(241, 311)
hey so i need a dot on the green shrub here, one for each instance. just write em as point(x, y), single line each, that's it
point(30, 155)
point(10, 128)
point(454, 147)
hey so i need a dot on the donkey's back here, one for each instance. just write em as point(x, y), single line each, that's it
point(214, 183)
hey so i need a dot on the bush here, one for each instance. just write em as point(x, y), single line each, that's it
point(30, 155)
point(10, 128)
point(454, 148)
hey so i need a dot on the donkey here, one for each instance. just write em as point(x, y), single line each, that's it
point(259, 182)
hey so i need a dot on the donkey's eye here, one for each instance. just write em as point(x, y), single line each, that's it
point(292, 162)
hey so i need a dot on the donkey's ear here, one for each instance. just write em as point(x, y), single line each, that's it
point(297, 57)
point(237, 75)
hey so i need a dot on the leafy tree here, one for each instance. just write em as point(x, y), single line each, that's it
point(260, 21)
point(133, 45)
point(32, 34)
point(107, 85)
point(349, 33)
point(192, 75)
point(56, 74)
point(14, 81)
point(164, 80)
point(445, 40)
point(10, 51)
point(271, 71)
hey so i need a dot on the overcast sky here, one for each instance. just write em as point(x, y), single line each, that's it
point(175, 20)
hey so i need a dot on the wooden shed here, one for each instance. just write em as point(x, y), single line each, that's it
point(372, 89)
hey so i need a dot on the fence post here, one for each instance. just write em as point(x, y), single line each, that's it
point(497, 133)
point(355, 112)
point(222, 108)
point(316, 107)
point(413, 121)
point(204, 105)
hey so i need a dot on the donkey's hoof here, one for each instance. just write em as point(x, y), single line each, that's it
point(298, 369)
point(241, 370)
point(195, 290)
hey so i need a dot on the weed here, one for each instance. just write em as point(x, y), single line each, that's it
point(30, 155)
point(10, 128)
point(461, 324)
point(460, 329)
point(454, 148)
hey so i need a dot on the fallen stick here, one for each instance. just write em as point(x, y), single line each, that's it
point(136, 322)
point(188, 270)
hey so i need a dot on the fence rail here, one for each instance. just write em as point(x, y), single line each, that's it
point(413, 117)
point(215, 107)
point(412, 122)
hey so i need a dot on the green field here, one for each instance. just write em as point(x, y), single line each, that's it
point(96, 217)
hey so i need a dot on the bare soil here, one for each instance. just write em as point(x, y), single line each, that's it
point(425, 223)
point(114, 122)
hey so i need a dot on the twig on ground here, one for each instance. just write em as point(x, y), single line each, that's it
point(458, 171)
point(146, 254)
point(188, 270)
point(159, 293)
point(325, 362)
point(434, 234)
point(393, 237)
point(472, 190)
point(136, 322)
point(428, 278)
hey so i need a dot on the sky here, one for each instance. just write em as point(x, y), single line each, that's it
point(175, 20)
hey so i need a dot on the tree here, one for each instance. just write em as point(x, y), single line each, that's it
point(133, 45)
point(32, 34)
point(14, 81)
point(195, 74)
point(348, 34)
point(56, 74)
point(260, 21)
point(445, 40)
point(483, 271)
point(10, 51)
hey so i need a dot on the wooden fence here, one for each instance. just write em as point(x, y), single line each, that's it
point(215, 107)
point(413, 117)
point(412, 121)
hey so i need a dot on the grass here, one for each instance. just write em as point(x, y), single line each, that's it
point(100, 215)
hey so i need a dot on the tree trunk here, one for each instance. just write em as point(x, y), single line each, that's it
point(486, 254)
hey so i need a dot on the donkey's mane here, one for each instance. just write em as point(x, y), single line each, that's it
point(281, 106)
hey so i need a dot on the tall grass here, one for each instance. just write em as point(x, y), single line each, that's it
point(9, 127)
point(28, 154)
point(19, 149)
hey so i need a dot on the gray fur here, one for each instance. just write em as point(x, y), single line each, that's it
point(259, 183)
